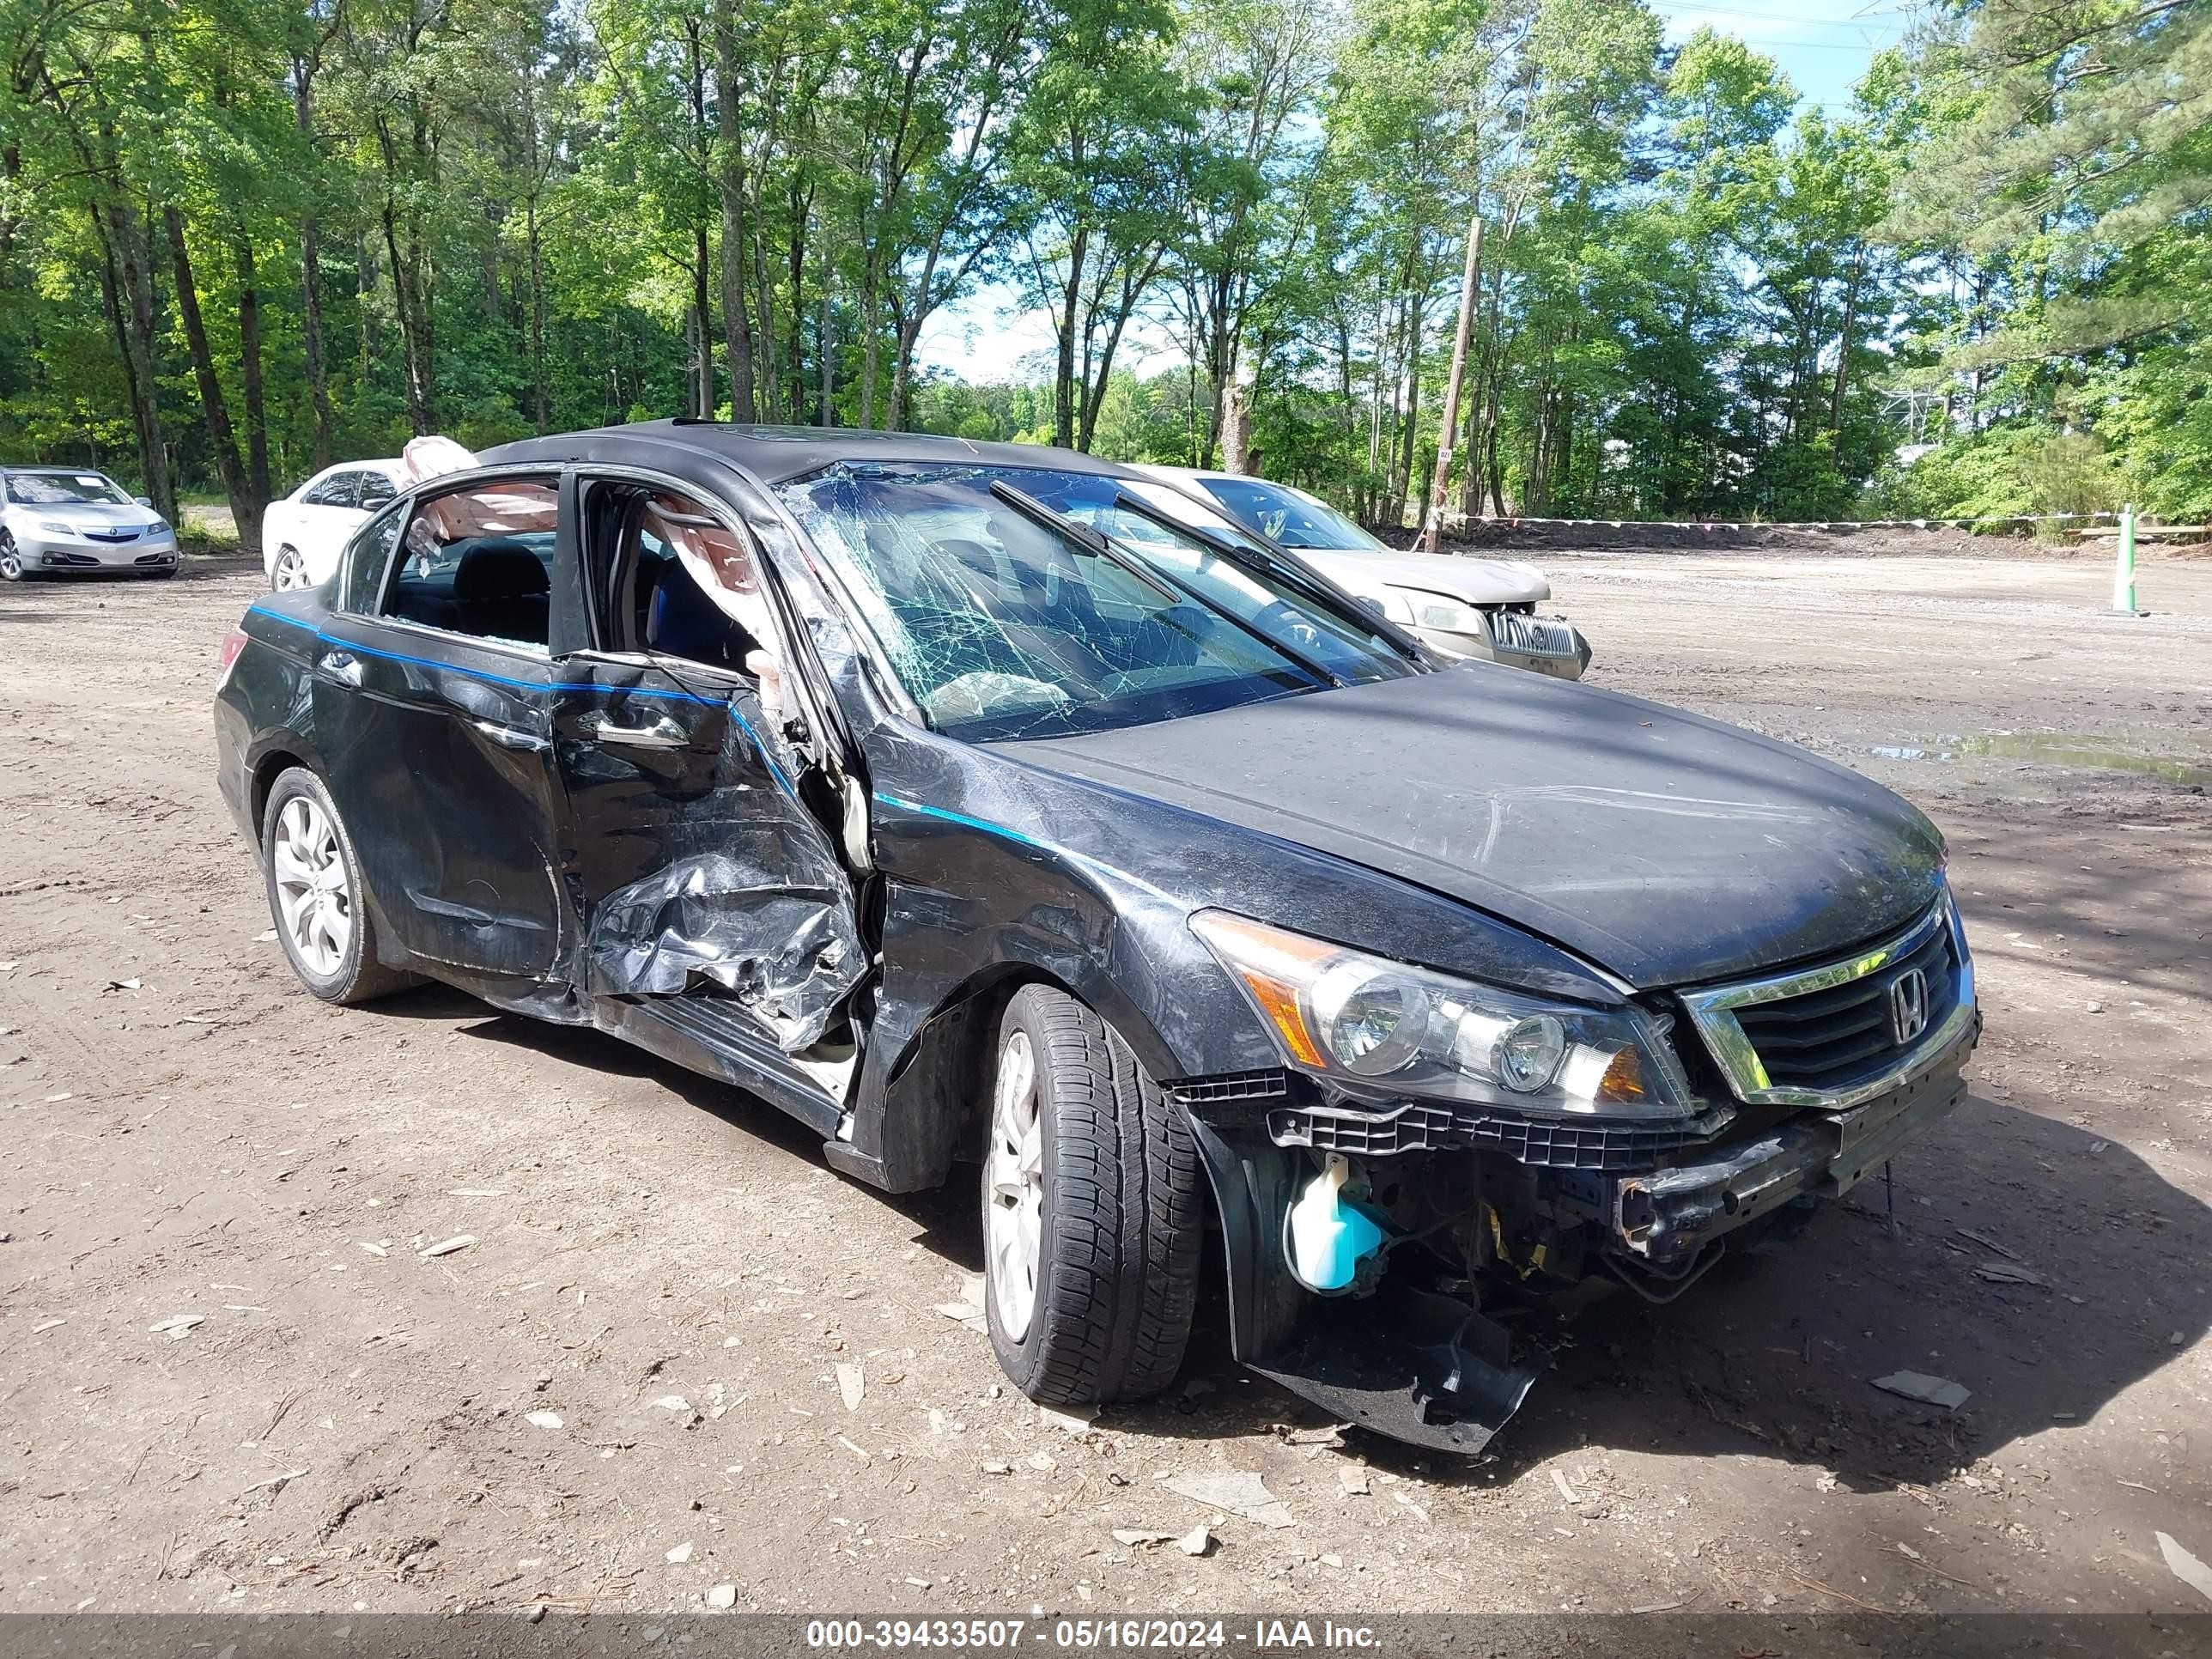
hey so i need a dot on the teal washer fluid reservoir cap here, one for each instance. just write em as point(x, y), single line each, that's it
point(1324, 1237)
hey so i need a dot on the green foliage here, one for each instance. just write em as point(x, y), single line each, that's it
point(1245, 218)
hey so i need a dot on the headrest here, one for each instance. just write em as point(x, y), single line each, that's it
point(499, 568)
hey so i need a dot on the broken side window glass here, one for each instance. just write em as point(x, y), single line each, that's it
point(679, 583)
point(479, 561)
point(999, 626)
point(368, 556)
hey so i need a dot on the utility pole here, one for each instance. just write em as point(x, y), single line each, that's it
point(1470, 277)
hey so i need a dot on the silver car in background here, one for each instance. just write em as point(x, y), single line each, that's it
point(1462, 607)
point(69, 521)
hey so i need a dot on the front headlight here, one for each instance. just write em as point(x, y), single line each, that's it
point(57, 527)
point(1367, 1022)
point(1392, 605)
point(158, 531)
point(1444, 615)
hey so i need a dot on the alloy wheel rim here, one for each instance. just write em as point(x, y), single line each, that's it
point(1013, 1188)
point(11, 561)
point(314, 899)
point(291, 571)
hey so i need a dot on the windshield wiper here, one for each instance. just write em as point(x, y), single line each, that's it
point(1089, 537)
point(1165, 583)
point(1255, 555)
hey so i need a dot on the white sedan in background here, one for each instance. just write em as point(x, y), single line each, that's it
point(56, 520)
point(302, 535)
point(1462, 607)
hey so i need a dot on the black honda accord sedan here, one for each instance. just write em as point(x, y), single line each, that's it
point(961, 804)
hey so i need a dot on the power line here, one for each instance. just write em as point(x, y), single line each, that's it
point(1857, 20)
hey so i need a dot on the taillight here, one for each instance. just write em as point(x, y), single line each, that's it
point(232, 643)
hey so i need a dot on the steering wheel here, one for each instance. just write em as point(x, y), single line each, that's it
point(1284, 619)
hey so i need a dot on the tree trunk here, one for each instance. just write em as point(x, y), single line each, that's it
point(1844, 344)
point(127, 282)
point(825, 348)
point(495, 301)
point(730, 177)
point(244, 511)
point(1063, 381)
point(794, 390)
point(1402, 473)
point(1236, 429)
point(311, 276)
point(1469, 286)
point(540, 396)
point(702, 402)
point(249, 359)
point(411, 300)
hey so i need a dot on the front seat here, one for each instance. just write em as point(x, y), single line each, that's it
point(501, 592)
point(682, 620)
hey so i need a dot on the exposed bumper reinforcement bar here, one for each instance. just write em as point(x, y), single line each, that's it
point(1668, 1215)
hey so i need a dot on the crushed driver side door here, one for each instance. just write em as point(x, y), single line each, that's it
point(709, 893)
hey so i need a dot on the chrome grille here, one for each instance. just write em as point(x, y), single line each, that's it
point(1824, 1037)
point(1829, 1039)
point(1535, 636)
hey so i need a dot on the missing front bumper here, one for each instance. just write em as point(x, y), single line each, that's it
point(1667, 1216)
point(1429, 1368)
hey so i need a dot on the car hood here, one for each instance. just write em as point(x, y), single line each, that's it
point(90, 515)
point(1476, 582)
point(1669, 849)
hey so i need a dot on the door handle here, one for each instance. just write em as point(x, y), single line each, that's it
point(658, 732)
point(341, 665)
point(508, 737)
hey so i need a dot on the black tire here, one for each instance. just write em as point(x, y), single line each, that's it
point(358, 977)
point(11, 559)
point(1122, 1216)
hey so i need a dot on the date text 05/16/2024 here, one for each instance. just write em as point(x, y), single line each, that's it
point(1263, 1635)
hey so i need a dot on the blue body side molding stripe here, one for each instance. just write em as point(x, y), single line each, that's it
point(766, 754)
point(951, 817)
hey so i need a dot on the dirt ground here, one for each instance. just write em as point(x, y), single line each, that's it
point(626, 1390)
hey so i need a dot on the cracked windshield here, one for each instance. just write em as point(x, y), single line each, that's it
point(1002, 626)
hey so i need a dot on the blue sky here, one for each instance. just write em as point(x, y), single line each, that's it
point(1822, 45)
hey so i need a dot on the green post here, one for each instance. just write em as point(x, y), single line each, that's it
point(2124, 571)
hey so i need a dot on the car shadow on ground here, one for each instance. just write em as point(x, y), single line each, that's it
point(945, 1217)
point(1772, 1354)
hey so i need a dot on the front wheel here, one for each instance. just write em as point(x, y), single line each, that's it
point(289, 573)
point(11, 558)
point(1093, 1210)
point(316, 893)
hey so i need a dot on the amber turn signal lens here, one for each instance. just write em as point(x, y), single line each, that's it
point(1623, 1078)
point(1250, 951)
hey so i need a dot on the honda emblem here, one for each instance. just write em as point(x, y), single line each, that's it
point(1908, 1005)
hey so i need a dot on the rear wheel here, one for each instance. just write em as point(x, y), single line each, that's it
point(11, 558)
point(289, 573)
point(316, 893)
point(1093, 1210)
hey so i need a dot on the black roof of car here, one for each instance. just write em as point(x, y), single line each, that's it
point(775, 454)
